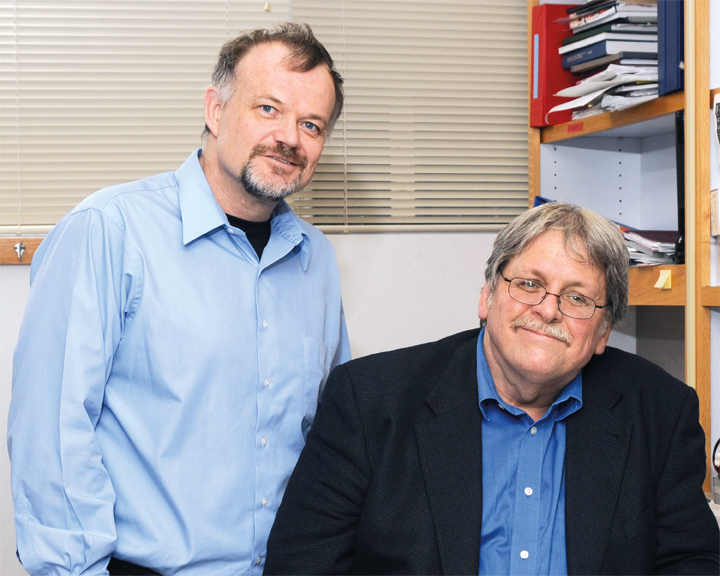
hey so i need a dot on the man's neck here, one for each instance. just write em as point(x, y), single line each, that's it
point(532, 397)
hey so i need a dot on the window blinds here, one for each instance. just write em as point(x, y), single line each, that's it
point(434, 133)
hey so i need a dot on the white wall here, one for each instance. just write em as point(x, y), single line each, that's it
point(14, 288)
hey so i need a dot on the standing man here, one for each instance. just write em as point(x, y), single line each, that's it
point(177, 334)
point(525, 448)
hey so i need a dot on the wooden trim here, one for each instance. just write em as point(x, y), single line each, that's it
point(710, 296)
point(713, 92)
point(697, 75)
point(608, 120)
point(533, 133)
point(533, 165)
point(7, 249)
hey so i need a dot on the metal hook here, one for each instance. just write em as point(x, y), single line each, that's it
point(20, 249)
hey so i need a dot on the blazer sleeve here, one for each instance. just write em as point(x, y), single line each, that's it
point(316, 525)
point(688, 539)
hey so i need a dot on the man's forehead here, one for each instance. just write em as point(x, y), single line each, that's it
point(552, 244)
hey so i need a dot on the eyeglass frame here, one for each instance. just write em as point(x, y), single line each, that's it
point(510, 281)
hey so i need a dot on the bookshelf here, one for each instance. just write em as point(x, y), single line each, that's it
point(605, 155)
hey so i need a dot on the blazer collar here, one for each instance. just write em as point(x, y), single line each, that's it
point(596, 451)
point(450, 447)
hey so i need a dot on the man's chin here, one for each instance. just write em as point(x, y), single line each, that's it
point(270, 191)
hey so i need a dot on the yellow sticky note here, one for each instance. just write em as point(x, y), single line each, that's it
point(664, 281)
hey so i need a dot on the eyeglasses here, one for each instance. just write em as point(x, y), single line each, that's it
point(571, 304)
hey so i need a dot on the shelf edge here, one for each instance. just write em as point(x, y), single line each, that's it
point(609, 120)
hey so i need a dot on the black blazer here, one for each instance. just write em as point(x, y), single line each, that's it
point(390, 480)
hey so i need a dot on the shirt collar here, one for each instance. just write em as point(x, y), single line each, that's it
point(569, 400)
point(201, 213)
point(289, 227)
point(199, 210)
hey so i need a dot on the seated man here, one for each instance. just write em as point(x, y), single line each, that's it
point(527, 447)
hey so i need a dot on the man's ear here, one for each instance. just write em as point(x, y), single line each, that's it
point(484, 303)
point(602, 343)
point(213, 109)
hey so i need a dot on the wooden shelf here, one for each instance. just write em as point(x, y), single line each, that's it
point(7, 249)
point(610, 120)
point(644, 293)
point(710, 296)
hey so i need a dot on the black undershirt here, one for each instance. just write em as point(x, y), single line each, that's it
point(258, 233)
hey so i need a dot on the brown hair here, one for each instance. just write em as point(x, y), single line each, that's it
point(305, 53)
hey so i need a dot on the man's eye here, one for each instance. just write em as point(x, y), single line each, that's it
point(267, 108)
point(576, 299)
point(311, 126)
point(528, 285)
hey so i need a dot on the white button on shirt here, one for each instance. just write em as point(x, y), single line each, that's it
point(264, 443)
point(533, 430)
point(264, 501)
point(524, 554)
point(265, 324)
point(528, 491)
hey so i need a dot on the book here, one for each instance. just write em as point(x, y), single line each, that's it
point(714, 213)
point(611, 14)
point(671, 49)
point(607, 36)
point(607, 47)
point(638, 28)
point(590, 7)
point(620, 58)
point(548, 76)
point(596, 5)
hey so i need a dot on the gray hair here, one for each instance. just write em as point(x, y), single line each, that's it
point(305, 53)
point(581, 228)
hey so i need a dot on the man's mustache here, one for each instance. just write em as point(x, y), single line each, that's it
point(281, 151)
point(553, 330)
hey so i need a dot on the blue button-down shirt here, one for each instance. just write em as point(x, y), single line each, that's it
point(523, 464)
point(162, 380)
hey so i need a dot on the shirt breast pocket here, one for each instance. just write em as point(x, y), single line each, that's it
point(315, 372)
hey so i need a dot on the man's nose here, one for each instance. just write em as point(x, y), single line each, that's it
point(288, 132)
point(549, 308)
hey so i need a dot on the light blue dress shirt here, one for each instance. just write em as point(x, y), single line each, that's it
point(162, 380)
point(523, 465)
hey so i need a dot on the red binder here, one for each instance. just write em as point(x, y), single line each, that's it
point(548, 76)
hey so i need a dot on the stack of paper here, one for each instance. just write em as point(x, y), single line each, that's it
point(615, 88)
point(650, 247)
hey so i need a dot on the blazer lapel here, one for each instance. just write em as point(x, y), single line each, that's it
point(595, 454)
point(450, 447)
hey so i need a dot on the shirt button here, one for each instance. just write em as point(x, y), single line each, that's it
point(264, 443)
point(258, 561)
point(524, 554)
point(265, 324)
point(533, 430)
point(264, 501)
point(528, 490)
point(267, 382)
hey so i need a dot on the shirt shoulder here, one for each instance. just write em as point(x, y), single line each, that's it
point(141, 195)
